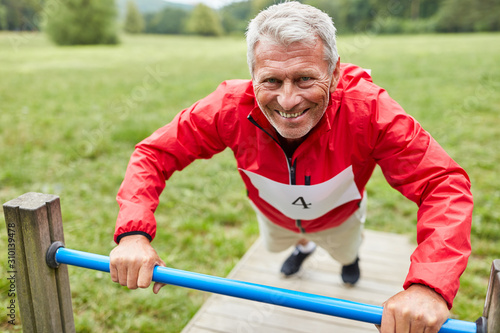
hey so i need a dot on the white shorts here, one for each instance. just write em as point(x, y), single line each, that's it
point(341, 242)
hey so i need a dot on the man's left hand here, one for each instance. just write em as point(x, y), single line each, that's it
point(418, 309)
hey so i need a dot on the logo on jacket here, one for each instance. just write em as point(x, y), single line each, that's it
point(301, 202)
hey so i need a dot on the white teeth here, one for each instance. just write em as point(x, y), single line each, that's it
point(290, 115)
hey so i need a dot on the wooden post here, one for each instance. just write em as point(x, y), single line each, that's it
point(492, 304)
point(33, 222)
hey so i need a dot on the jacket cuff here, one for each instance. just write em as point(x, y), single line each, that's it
point(134, 219)
point(125, 234)
point(448, 295)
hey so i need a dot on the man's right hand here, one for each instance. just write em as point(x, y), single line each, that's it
point(132, 263)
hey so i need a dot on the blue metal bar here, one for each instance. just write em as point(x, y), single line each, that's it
point(261, 293)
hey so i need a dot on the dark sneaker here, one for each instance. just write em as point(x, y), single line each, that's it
point(351, 273)
point(294, 261)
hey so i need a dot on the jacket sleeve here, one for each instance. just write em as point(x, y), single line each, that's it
point(416, 165)
point(191, 135)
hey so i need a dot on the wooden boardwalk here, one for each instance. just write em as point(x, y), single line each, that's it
point(384, 262)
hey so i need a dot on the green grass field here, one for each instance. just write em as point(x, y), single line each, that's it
point(70, 117)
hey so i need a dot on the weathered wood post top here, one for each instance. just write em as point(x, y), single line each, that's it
point(33, 222)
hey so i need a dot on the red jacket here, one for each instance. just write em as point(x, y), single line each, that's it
point(362, 127)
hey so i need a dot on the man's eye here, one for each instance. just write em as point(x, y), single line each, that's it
point(272, 80)
point(305, 78)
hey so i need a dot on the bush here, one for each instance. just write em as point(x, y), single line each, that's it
point(204, 21)
point(394, 25)
point(168, 21)
point(80, 22)
point(134, 22)
point(391, 25)
point(421, 26)
point(469, 16)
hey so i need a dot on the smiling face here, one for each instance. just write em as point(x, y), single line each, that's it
point(292, 86)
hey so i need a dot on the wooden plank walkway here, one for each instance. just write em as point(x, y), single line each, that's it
point(384, 262)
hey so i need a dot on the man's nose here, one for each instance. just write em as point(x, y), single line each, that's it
point(288, 96)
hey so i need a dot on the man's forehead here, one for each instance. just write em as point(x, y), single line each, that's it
point(266, 42)
point(270, 54)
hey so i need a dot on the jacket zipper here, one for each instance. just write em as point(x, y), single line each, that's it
point(291, 167)
point(307, 182)
point(293, 181)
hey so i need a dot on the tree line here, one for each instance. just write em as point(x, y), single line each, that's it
point(96, 21)
point(350, 16)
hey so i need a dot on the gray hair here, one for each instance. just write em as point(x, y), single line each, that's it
point(291, 22)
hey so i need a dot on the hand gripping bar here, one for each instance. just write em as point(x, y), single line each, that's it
point(58, 254)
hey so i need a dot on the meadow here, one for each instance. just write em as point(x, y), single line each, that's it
point(70, 117)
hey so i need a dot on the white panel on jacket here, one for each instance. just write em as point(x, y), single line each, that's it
point(307, 202)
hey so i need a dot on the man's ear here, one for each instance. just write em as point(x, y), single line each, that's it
point(335, 77)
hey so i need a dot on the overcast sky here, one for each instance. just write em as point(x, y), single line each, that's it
point(211, 3)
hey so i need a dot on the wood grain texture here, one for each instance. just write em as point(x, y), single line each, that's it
point(384, 263)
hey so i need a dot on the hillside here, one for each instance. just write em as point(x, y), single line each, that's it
point(150, 6)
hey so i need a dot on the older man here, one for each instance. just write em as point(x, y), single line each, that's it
point(307, 132)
